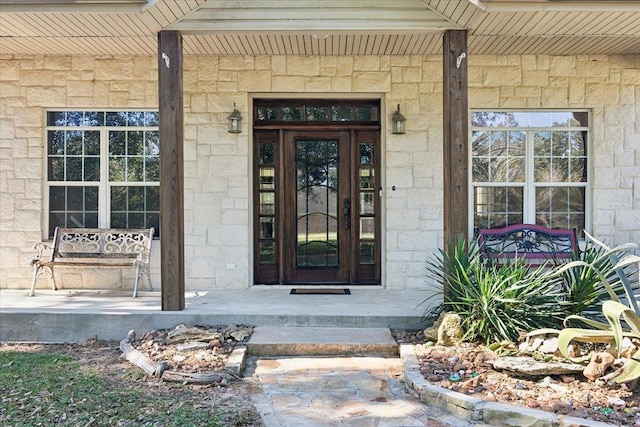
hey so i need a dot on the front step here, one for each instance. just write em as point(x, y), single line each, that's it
point(268, 341)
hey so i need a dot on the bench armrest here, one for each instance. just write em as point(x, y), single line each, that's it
point(40, 248)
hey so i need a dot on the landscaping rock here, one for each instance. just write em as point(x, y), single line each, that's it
point(447, 330)
point(598, 365)
point(531, 367)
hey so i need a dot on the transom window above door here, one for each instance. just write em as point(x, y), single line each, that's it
point(316, 111)
point(530, 167)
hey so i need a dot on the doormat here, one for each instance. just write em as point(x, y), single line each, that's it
point(320, 291)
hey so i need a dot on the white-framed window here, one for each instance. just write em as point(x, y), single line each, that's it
point(103, 169)
point(530, 167)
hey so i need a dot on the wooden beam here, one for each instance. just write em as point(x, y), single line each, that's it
point(171, 119)
point(456, 136)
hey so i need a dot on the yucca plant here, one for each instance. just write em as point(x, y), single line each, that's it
point(495, 303)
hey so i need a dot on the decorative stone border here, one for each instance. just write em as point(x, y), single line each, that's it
point(474, 409)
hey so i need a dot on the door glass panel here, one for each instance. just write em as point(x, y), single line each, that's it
point(366, 203)
point(267, 179)
point(317, 203)
point(266, 228)
point(367, 228)
point(366, 179)
point(267, 203)
point(367, 254)
point(267, 253)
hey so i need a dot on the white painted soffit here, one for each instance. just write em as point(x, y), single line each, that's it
point(313, 17)
point(558, 5)
point(77, 6)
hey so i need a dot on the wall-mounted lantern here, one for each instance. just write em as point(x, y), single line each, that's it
point(397, 122)
point(234, 120)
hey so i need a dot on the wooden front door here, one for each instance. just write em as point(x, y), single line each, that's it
point(317, 216)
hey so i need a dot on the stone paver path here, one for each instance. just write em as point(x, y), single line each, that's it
point(338, 391)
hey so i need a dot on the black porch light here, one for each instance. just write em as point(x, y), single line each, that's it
point(234, 120)
point(397, 122)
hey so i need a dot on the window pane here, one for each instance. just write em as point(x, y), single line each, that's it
point(118, 199)
point(56, 142)
point(57, 198)
point(366, 114)
point(267, 203)
point(267, 179)
point(560, 207)
point(366, 154)
point(117, 143)
point(135, 169)
point(367, 178)
point(56, 118)
point(91, 143)
point(117, 169)
point(74, 169)
point(291, 113)
point(367, 252)
point(341, 113)
point(118, 220)
point(267, 153)
point(152, 169)
point(153, 198)
point(92, 169)
point(94, 118)
point(153, 220)
point(136, 198)
point(152, 143)
point(75, 118)
point(496, 206)
point(75, 198)
point(317, 113)
point(116, 118)
point(55, 169)
point(135, 143)
point(267, 228)
point(136, 118)
point(366, 203)
point(266, 113)
point(267, 253)
point(367, 228)
point(151, 118)
point(73, 141)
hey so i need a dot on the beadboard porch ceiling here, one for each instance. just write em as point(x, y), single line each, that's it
point(319, 27)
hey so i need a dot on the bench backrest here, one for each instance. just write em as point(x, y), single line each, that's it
point(102, 243)
point(533, 243)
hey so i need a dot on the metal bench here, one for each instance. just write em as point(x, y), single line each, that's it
point(534, 244)
point(94, 247)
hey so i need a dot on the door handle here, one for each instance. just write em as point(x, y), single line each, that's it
point(346, 210)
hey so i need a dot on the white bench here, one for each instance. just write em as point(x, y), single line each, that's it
point(94, 247)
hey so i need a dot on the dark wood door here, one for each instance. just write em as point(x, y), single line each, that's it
point(317, 205)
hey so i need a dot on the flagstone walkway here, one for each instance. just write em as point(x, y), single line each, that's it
point(338, 391)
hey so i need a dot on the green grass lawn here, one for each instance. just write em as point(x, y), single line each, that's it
point(44, 389)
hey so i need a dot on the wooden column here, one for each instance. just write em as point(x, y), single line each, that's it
point(456, 135)
point(171, 169)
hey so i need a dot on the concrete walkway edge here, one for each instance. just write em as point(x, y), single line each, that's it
point(477, 410)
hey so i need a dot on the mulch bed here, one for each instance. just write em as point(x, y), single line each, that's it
point(467, 368)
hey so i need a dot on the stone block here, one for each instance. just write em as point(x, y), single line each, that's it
point(562, 66)
point(254, 81)
point(317, 84)
point(366, 63)
point(303, 65)
point(502, 76)
point(365, 81)
point(287, 83)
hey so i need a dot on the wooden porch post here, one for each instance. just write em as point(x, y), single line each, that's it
point(171, 119)
point(456, 135)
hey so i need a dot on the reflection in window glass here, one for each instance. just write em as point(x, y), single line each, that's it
point(542, 155)
point(75, 156)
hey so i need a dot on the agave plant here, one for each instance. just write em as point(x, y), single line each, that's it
point(612, 331)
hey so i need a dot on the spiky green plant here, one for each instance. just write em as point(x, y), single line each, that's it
point(495, 303)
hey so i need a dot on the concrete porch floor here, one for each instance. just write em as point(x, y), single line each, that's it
point(75, 315)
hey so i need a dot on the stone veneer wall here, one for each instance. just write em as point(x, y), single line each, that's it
point(217, 164)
